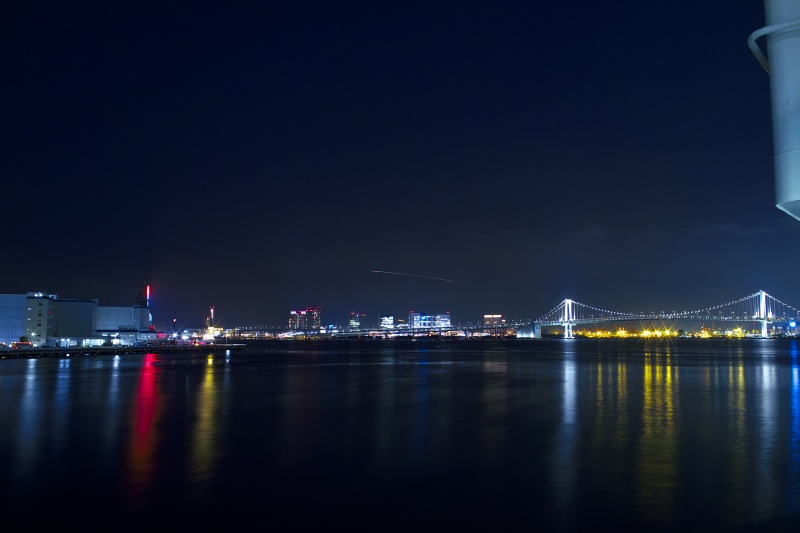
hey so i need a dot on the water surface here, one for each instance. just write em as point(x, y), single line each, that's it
point(395, 435)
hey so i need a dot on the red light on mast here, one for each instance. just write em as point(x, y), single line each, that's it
point(148, 295)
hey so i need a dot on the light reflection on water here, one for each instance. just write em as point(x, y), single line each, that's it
point(30, 425)
point(793, 496)
point(565, 435)
point(565, 463)
point(204, 447)
point(656, 469)
point(143, 438)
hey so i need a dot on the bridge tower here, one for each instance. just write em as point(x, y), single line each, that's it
point(762, 313)
point(568, 318)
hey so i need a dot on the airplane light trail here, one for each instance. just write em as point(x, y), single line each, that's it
point(409, 275)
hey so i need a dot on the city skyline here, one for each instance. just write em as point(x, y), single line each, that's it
point(375, 321)
point(468, 158)
point(757, 309)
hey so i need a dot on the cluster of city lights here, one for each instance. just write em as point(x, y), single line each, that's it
point(624, 333)
point(704, 333)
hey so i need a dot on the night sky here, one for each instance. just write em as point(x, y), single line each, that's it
point(270, 156)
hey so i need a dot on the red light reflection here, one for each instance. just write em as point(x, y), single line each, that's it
point(145, 417)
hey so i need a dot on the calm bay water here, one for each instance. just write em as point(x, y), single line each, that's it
point(390, 435)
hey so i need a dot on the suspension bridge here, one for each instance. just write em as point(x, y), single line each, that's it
point(759, 307)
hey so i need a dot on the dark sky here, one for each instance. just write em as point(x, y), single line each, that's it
point(266, 157)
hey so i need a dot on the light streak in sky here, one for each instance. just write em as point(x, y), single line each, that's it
point(409, 275)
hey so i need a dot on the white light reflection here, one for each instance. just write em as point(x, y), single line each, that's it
point(564, 474)
point(767, 490)
point(112, 407)
point(59, 426)
point(29, 430)
point(569, 395)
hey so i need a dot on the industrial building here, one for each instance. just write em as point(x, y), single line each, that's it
point(45, 320)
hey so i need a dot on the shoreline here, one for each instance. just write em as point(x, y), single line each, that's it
point(78, 351)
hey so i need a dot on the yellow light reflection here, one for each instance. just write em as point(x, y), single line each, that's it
point(204, 434)
point(658, 444)
point(737, 444)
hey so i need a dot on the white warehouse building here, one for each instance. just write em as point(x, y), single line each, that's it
point(45, 320)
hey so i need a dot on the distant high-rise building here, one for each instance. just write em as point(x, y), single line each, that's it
point(355, 320)
point(424, 320)
point(305, 320)
point(492, 320)
point(387, 321)
point(314, 318)
point(441, 321)
point(298, 320)
point(418, 320)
